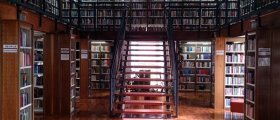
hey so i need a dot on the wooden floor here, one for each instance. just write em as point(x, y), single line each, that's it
point(192, 107)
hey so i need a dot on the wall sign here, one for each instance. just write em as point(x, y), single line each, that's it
point(84, 54)
point(264, 57)
point(64, 54)
point(10, 48)
point(220, 52)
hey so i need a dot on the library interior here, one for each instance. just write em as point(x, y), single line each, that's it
point(139, 59)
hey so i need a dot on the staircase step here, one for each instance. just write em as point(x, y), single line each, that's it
point(147, 94)
point(145, 86)
point(145, 50)
point(144, 102)
point(144, 111)
point(145, 55)
point(145, 72)
point(145, 79)
point(145, 67)
point(145, 60)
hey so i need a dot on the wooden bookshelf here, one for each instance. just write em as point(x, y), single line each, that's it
point(196, 67)
point(78, 69)
point(38, 71)
point(17, 70)
point(228, 11)
point(68, 74)
point(234, 69)
point(213, 50)
point(100, 64)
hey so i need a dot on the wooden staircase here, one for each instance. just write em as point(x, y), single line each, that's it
point(144, 88)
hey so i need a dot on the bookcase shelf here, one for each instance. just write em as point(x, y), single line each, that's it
point(17, 70)
point(250, 89)
point(38, 72)
point(234, 69)
point(196, 73)
point(100, 64)
point(78, 57)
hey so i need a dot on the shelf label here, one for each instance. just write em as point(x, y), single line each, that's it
point(64, 57)
point(10, 48)
point(64, 54)
point(264, 57)
point(220, 52)
point(84, 54)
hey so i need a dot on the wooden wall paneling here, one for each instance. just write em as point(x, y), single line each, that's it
point(64, 81)
point(275, 75)
point(263, 79)
point(7, 11)
point(84, 71)
point(51, 74)
point(10, 68)
point(219, 74)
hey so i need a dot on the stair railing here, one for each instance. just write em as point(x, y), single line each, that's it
point(116, 60)
point(173, 62)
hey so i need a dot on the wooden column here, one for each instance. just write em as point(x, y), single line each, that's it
point(84, 69)
point(51, 74)
point(275, 75)
point(219, 73)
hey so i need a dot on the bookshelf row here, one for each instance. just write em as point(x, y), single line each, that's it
point(234, 69)
point(195, 67)
point(100, 64)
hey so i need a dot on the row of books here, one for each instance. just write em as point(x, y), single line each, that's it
point(25, 99)
point(211, 21)
point(66, 5)
point(250, 94)
point(154, 29)
point(250, 77)
point(234, 80)
point(99, 77)
point(87, 13)
point(39, 44)
point(240, 58)
point(229, 14)
point(38, 103)
point(203, 56)
point(187, 71)
point(38, 92)
point(38, 56)
point(187, 87)
point(105, 13)
point(100, 55)
point(25, 114)
point(235, 47)
point(203, 79)
point(235, 69)
point(97, 70)
point(208, 13)
point(196, 49)
point(105, 21)
point(25, 58)
point(203, 64)
point(251, 61)
point(250, 110)
point(230, 5)
point(38, 68)
point(100, 48)
point(25, 78)
point(251, 44)
point(188, 64)
point(156, 21)
point(103, 85)
point(186, 79)
point(100, 62)
point(39, 80)
point(234, 91)
point(25, 38)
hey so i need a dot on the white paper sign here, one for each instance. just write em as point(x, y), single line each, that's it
point(10, 48)
point(220, 52)
point(264, 62)
point(264, 51)
point(64, 57)
point(84, 56)
point(64, 51)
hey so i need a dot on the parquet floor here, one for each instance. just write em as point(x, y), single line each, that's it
point(192, 107)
